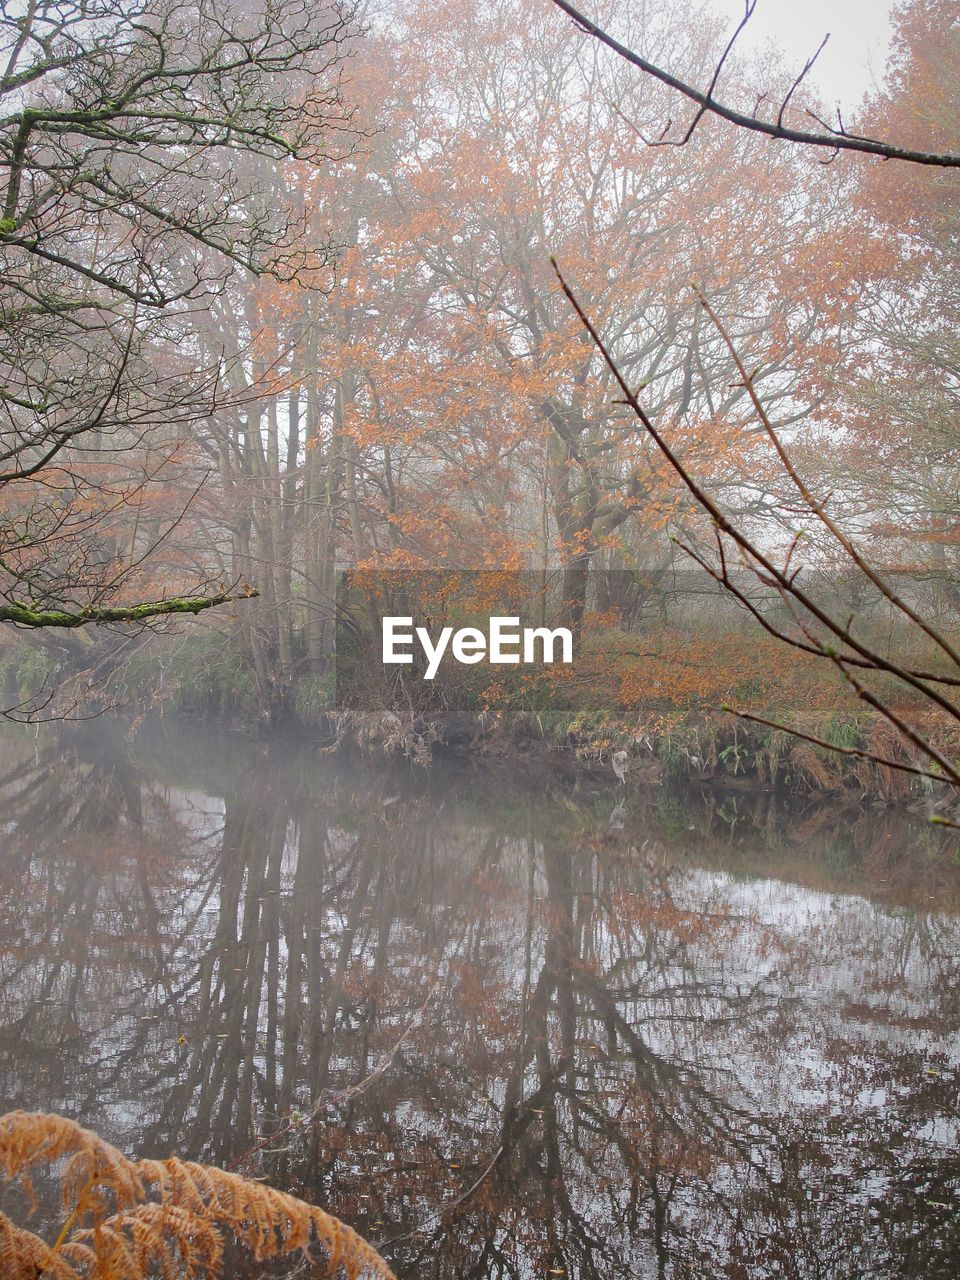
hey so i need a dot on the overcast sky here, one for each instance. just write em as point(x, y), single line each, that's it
point(857, 49)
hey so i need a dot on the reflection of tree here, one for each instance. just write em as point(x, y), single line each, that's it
point(629, 1064)
point(81, 925)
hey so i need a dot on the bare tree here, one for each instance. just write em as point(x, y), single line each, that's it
point(126, 205)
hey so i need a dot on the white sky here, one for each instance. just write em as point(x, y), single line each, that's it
point(854, 56)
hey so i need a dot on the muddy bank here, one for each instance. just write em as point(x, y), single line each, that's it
point(717, 755)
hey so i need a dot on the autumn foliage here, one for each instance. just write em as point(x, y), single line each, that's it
point(127, 1219)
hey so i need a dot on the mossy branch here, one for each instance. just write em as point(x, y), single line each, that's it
point(22, 615)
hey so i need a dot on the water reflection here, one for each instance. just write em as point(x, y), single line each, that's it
point(541, 1037)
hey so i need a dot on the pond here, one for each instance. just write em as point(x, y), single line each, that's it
point(507, 1021)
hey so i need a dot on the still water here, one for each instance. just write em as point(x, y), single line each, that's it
point(505, 1022)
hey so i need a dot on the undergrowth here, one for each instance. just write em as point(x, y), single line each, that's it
point(657, 693)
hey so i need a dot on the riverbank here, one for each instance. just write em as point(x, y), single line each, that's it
point(662, 697)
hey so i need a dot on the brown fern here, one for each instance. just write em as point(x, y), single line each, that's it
point(814, 767)
point(24, 1256)
point(132, 1219)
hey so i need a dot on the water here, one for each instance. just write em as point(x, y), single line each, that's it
point(508, 1024)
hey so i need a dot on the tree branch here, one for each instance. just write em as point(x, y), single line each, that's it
point(22, 615)
point(833, 140)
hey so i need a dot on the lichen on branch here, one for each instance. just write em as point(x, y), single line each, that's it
point(26, 616)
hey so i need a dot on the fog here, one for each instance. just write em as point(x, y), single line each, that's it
point(854, 59)
point(627, 948)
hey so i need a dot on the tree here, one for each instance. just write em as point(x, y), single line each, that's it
point(898, 391)
point(469, 394)
point(438, 407)
point(128, 202)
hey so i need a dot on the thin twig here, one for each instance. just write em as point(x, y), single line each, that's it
point(833, 139)
point(783, 582)
point(858, 752)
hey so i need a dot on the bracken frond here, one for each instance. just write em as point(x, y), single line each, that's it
point(129, 1220)
point(29, 1139)
point(807, 762)
point(268, 1222)
point(24, 1256)
point(150, 1237)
